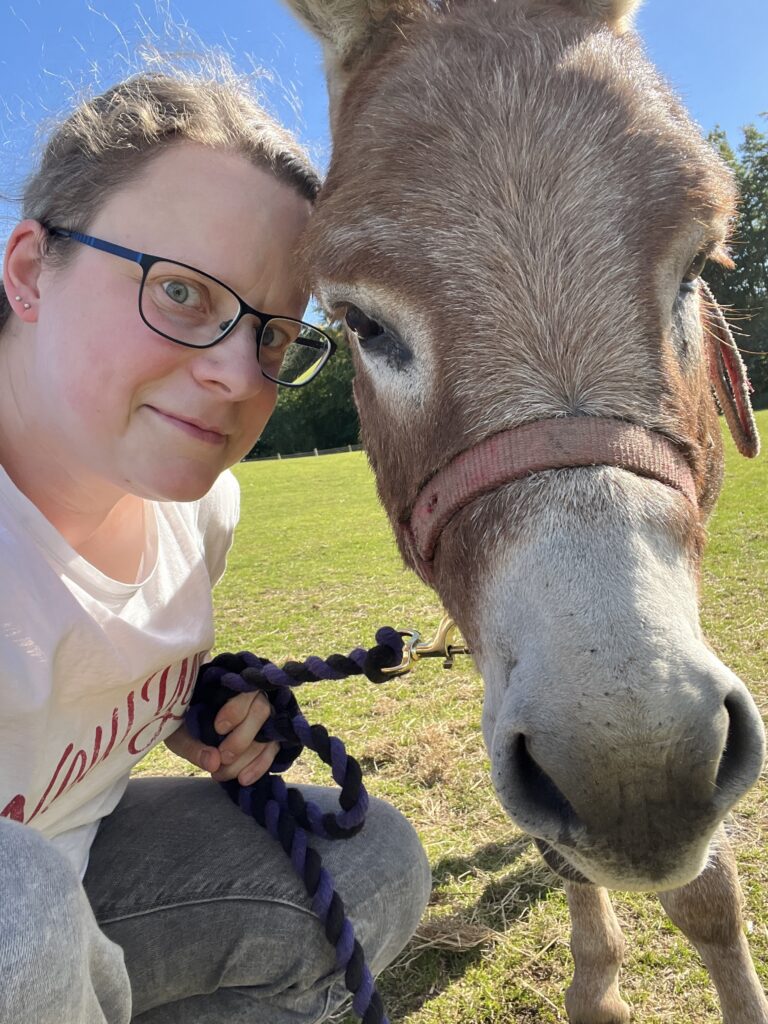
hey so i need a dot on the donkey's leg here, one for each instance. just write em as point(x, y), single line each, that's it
point(708, 912)
point(598, 949)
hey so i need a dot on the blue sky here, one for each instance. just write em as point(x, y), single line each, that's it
point(714, 53)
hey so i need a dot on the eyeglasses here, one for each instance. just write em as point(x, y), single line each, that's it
point(192, 308)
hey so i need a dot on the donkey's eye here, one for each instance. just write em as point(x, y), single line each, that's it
point(378, 342)
point(362, 325)
point(694, 271)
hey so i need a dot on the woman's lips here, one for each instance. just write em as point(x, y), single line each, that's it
point(193, 428)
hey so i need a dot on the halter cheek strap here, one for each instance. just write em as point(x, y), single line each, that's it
point(565, 442)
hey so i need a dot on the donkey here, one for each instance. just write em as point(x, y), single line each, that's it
point(513, 227)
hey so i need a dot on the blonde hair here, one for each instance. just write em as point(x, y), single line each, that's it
point(108, 140)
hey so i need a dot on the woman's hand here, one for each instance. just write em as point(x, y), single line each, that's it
point(240, 719)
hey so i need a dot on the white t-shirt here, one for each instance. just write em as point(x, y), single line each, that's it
point(94, 672)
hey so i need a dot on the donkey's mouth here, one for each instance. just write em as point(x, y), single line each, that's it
point(660, 871)
point(557, 863)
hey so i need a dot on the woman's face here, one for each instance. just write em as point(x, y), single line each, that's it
point(122, 404)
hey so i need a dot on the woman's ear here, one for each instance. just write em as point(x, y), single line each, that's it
point(21, 269)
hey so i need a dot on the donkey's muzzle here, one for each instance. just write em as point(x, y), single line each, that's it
point(630, 799)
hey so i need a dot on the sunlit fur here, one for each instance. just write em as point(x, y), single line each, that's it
point(617, 13)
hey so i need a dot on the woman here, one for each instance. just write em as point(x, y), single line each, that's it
point(136, 366)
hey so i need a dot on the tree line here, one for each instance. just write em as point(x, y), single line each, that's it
point(323, 415)
point(743, 291)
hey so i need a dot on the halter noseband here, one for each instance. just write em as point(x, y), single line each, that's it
point(562, 443)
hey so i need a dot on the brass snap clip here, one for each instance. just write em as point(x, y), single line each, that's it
point(441, 646)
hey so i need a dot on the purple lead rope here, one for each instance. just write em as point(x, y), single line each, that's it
point(283, 811)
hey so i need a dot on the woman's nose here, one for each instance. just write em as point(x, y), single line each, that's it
point(233, 366)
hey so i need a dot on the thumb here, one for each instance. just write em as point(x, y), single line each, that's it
point(184, 744)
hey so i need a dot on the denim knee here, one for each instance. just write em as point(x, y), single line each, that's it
point(55, 962)
point(262, 956)
point(390, 907)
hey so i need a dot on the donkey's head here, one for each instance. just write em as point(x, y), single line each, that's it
point(513, 225)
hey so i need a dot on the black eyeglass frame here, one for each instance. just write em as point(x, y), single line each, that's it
point(147, 261)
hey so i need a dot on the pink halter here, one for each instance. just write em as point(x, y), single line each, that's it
point(559, 443)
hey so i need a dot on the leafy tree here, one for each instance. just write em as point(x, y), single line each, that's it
point(745, 289)
point(320, 415)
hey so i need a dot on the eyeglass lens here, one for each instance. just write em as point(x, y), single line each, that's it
point(192, 308)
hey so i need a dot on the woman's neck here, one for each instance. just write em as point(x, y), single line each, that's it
point(104, 525)
point(117, 548)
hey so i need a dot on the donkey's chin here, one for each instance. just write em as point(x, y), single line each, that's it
point(612, 871)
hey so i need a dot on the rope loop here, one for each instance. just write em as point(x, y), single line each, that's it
point(282, 810)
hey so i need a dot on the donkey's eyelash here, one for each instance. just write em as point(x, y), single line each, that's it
point(719, 253)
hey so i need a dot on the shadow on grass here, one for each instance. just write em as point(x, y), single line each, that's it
point(491, 857)
point(444, 949)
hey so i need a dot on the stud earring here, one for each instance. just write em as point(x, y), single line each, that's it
point(18, 298)
point(27, 305)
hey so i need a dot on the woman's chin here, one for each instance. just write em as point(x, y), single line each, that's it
point(186, 486)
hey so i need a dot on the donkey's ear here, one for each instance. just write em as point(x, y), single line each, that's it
point(349, 29)
point(617, 13)
point(352, 31)
point(729, 376)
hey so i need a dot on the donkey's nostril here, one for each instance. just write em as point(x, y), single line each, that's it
point(742, 757)
point(539, 792)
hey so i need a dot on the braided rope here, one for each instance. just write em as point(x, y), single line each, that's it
point(283, 811)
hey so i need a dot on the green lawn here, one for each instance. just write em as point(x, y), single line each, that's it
point(315, 570)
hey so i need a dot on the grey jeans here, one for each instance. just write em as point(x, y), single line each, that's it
point(191, 913)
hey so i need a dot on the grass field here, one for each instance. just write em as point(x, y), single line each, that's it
point(315, 570)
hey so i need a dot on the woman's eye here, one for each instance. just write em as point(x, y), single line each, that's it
point(182, 293)
point(362, 325)
point(696, 269)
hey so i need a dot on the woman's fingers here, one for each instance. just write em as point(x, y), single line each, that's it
point(239, 709)
point(241, 756)
point(184, 744)
point(251, 766)
point(238, 755)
